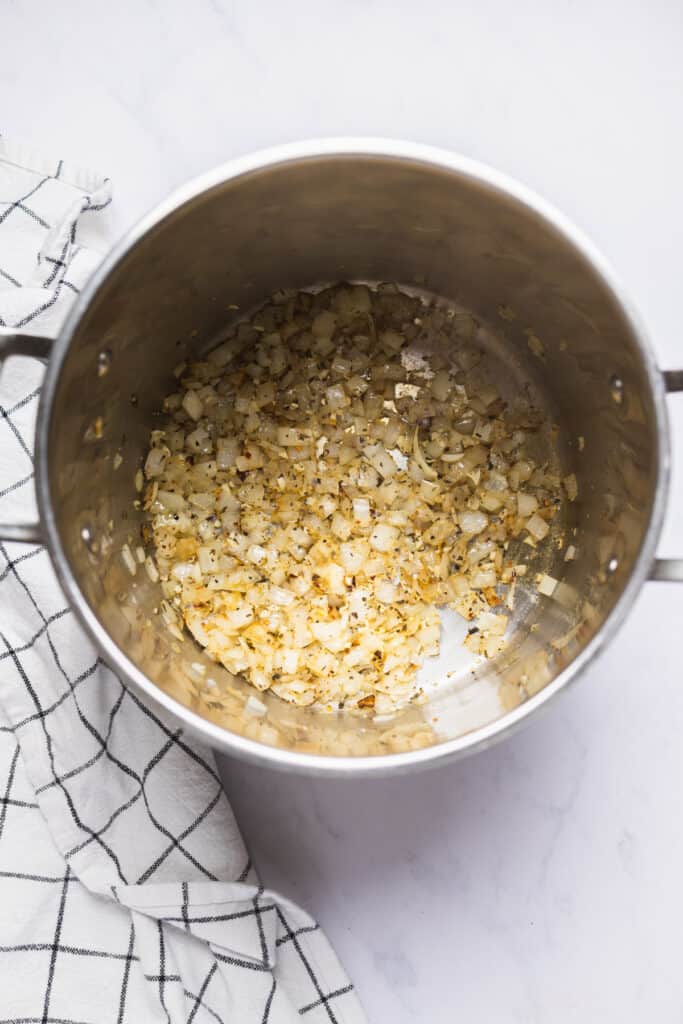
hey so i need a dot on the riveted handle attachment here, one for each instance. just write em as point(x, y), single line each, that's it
point(670, 570)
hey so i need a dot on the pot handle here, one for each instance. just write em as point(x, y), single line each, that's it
point(37, 348)
point(670, 570)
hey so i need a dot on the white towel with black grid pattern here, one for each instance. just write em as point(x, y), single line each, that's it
point(126, 893)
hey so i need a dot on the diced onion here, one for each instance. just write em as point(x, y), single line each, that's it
point(226, 452)
point(352, 556)
point(479, 550)
point(128, 560)
point(337, 397)
point(527, 504)
point(473, 522)
point(385, 591)
point(323, 480)
point(291, 437)
point(192, 404)
point(257, 554)
point(361, 510)
point(383, 537)
point(184, 570)
point(571, 486)
point(254, 707)
point(546, 585)
point(381, 460)
point(537, 527)
point(171, 500)
point(484, 578)
point(155, 461)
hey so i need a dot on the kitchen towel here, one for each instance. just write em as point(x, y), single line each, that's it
point(126, 893)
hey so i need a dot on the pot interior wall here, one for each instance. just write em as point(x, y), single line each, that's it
point(372, 219)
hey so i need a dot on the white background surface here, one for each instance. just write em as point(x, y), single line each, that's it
point(540, 881)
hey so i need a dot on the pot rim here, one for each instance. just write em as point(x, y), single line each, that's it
point(321, 764)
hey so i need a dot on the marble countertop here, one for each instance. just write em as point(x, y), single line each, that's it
point(539, 881)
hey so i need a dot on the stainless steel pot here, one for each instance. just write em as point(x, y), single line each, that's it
point(364, 210)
